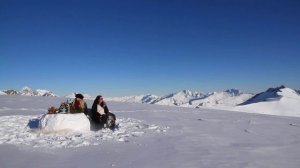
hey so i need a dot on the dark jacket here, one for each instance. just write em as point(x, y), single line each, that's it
point(95, 115)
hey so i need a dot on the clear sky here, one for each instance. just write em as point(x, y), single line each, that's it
point(118, 47)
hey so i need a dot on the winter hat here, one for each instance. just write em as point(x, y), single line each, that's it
point(80, 96)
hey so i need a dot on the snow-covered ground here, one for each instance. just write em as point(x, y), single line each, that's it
point(149, 136)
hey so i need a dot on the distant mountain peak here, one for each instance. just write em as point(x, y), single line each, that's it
point(277, 89)
point(233, 92)
point(26, 88)
point(187, 92)
point(27, 91)
point(43, 92)
point(272, 94)
point(11, 92)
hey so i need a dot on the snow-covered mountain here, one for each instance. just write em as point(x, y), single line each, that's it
point(173, 99)
point(11, 92)
point(187, 98)
point(274, 101)
point(179, 98)
point(27, 91)
point(135, 99)
point(228, 98)
point(42, 92)
point(268, 95)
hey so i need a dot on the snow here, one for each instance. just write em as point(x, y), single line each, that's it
point(178, 98)
point(187, 98)
point(27, 91)
point(172, 99)
point(289, 93)
point(135, 99)
point(149, 136)
point(43, 92)
point(283, 102)
point(221, 100)
point(275, 101)
point(66, 131)
point(2, 93)
point(64, 123)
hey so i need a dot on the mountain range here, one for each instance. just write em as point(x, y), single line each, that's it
point(187, 98)
point(274, 101)
point(26, 91)
point(279, 101)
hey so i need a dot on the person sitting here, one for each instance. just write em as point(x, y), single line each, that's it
point(79, 105)
point(100, 113)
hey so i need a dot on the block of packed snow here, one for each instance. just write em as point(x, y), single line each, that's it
point(65, 122)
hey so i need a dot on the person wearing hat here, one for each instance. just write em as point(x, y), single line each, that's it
point(79, 105)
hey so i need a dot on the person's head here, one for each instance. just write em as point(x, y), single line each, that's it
point(98, 100)
point(101, 99)
point(79, 96)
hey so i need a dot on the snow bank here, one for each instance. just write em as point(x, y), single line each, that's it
point(65, 122)
point(17, 130)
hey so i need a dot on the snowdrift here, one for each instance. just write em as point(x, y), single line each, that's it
point(64, 122)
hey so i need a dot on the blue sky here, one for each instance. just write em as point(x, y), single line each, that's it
point(118, 48)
